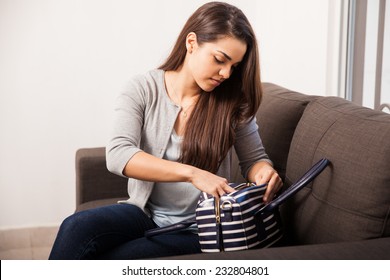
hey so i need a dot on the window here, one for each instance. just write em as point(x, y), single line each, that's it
point(368, 54)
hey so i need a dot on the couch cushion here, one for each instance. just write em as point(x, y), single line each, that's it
point(376, 249)
point(350, 200)
point(278, 116)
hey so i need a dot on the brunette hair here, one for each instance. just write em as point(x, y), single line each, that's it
point(211, 126)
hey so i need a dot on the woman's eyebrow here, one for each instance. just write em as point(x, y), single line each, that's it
point(225, 55)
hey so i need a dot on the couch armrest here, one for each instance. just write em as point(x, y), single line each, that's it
point(93, 180)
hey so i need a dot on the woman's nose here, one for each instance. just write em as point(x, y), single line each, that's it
point(225, 72)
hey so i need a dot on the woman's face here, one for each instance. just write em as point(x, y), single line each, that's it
point(212, 63)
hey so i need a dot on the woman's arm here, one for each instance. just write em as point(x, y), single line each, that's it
point(143, 166)
point(254, 161)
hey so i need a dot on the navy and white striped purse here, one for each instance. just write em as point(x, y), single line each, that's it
point(234, 221)
point(240, 220)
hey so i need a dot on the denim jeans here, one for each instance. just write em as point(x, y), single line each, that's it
point(117, 232)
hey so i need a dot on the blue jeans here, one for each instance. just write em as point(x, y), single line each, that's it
point(117, 232)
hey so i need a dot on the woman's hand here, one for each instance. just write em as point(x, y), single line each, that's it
point(210, 183)
point(261, 173)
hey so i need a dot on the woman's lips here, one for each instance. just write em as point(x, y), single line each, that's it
point(216, 82)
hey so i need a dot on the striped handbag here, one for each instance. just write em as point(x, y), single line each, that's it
point(230, 223)
point(240, 220)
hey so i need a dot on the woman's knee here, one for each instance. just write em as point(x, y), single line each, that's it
point(75, 221)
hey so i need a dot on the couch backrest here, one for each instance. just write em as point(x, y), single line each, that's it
point(350, 200)
point(279, 114)
point(277, 117)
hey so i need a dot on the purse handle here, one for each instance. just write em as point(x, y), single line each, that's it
point(309, 176)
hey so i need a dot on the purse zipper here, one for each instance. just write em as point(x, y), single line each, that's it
point(218, 224)
point(217, 211)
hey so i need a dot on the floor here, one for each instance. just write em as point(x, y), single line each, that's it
point(27, 243)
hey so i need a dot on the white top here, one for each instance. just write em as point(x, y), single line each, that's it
point(170, 203)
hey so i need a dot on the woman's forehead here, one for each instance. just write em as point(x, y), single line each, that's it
point(231, 48)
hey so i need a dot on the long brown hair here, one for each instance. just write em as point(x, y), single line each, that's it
point(210, 130)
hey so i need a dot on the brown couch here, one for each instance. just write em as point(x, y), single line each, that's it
point(343, 214)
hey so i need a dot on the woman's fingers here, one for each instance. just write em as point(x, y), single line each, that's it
point(211, 183)
point(225, 189)
point(274, 185)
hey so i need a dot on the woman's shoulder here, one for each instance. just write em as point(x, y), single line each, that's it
point(246, 125)
point(152, 77)
point(147, 86)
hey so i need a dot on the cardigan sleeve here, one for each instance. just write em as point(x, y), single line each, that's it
point(126, 128)
point(249, 147)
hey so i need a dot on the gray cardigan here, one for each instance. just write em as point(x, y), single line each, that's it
point(143, 121)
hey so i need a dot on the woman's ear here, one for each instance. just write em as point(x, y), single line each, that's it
point(191, 42)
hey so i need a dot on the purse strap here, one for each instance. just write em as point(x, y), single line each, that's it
point(170, 228)
point(309, 176)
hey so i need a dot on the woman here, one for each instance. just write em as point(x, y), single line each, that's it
point(173, 135)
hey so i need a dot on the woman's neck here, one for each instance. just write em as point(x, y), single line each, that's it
point(182, 88)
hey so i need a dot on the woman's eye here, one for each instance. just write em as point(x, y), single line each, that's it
point(218, 61)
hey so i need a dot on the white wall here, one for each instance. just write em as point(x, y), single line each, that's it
point(63, 62)
point(293, 41)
